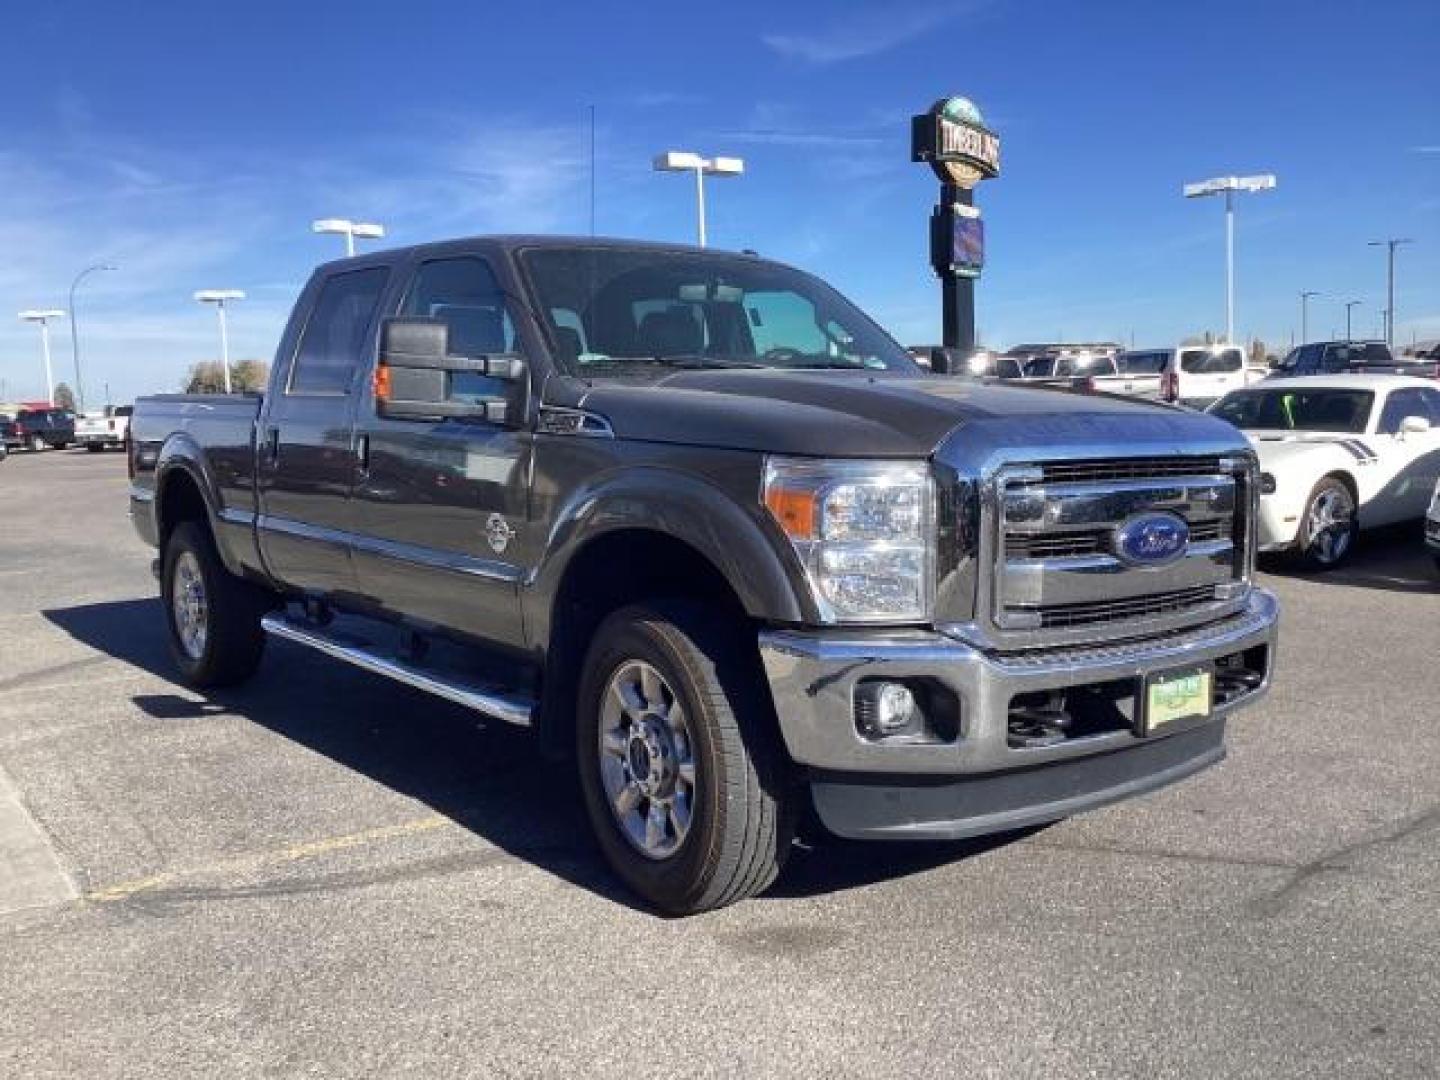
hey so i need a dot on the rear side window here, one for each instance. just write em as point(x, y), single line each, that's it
point(330, 345)
point(464, 293)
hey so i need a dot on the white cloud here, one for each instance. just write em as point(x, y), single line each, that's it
point(865, 33)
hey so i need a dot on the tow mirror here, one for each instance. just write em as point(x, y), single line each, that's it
point(414, 379)
point(1414, 425)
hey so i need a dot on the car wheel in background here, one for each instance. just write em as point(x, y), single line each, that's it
point(94, 447)
point(681, 769)
point(37, 443)
point(212, 616)
point(1328, 530)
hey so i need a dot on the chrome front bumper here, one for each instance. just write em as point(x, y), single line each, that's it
point(813, 676)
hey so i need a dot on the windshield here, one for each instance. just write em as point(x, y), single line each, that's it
point(1345, 411)
point(1085, 365)
point(614, 312)
point(1145, 363)
point(1210, 361)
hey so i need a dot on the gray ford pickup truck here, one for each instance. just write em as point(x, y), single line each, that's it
point(715, 536)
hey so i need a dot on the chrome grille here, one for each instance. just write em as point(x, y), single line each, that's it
point(1104, 611)
point(1056, 569)
point(1140, 468)
point(1074, 543)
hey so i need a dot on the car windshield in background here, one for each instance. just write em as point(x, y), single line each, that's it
point(1210, 361)
point(1345, 411)
point(1150, 363)
point(613, 312)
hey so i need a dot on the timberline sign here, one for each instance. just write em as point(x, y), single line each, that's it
point(953, 138)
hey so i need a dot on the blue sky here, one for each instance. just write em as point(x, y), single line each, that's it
point(192, 146)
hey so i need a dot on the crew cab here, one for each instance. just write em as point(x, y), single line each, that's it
point(1338, 454)
point(713, 534)
point(105, 429)
point(1353, 357)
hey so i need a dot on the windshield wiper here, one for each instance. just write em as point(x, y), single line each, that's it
point(696, 361)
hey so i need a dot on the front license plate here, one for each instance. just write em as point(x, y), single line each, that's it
point(1172, 696)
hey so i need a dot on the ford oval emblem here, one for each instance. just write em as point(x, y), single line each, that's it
point(1151, 539)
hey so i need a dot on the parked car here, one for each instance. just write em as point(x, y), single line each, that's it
point(1432, 526)
point(1338, 454)
point(1353, 357)
point(105, 429)
point(703, 525)
point(38, 429)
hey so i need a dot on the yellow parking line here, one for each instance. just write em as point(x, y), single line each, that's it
point(307, 849)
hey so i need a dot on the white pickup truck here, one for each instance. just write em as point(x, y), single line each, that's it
point(106, 428)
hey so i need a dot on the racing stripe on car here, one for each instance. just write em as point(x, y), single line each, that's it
point(1361, 452)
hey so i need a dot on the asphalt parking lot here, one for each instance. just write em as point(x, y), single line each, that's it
point(326, 874)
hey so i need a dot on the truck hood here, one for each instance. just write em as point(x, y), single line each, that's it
point(862, 414)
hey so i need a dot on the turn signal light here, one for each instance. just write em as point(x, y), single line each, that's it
point(380, 382)
point(794, 509)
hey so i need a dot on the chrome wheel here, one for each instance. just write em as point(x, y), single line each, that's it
point(647, 760)
point(189, 605)
point(1330, 525)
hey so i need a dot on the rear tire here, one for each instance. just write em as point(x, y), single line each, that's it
point(682, 772)
point(94, 447)
point(1329, 527)
point(213, 617)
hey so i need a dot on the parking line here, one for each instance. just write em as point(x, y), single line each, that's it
point(306, 849)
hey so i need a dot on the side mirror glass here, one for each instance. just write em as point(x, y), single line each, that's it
point(415, 373)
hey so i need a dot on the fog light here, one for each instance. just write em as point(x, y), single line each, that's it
point(884, 709)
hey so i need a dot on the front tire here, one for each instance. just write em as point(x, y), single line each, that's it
point(212, 616)
point(681, 770)
point(1329, 528)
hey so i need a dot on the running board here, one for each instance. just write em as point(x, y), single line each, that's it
point(511, 708)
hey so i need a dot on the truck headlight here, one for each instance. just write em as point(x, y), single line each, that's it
point(864, 531)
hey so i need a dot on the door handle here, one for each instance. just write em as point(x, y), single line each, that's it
point(362, 453)
point(272, 445)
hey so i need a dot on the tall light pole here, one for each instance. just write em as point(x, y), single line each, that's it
point(683, 161)
point(43, 317)
point(1305, 295)
point(367, 230)
point(1348, 305)
point(75, 332)
point(1392, 243)
point(220, 297)
point(1229, 185)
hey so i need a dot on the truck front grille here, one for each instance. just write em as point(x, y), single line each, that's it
point(1057, 571)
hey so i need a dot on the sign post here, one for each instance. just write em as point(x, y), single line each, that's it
point(953, 138)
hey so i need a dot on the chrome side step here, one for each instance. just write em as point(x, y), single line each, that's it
point(511, 708)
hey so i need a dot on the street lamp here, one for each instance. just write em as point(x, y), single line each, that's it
point(43, 318)
point(1229, 185)
point(75, 332)
point(683, 161)
point(349, 229)
point(1305, 295)
point(1392, 243)
point(1348, 305)
point(220, 297)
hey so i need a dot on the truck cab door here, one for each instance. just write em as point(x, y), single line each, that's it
point(442, 505)
point(304, 446)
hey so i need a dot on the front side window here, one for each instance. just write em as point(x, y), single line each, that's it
point(464, 293)
point(1346, 411)
point(633, 312)
point(330, 346)
point(1403, 403)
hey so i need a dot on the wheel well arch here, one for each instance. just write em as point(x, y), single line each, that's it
point(614, 569)
point(1348, 480)
point(179, 497)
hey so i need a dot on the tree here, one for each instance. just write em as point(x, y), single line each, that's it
point(64, 397)
point(207, 377)
point(1258, 352)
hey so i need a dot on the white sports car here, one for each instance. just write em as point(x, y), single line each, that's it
point(1337, 454)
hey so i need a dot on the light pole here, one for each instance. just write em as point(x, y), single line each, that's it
point(43, 318)
point(1392, 243)
point(1305, 295)
point(219, 297)
point(1229, 185)
point(683, 161)
point(367, 230)
point(75, 332)
point(1348, 305)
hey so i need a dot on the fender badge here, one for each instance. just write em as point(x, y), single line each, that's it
point(498, 533)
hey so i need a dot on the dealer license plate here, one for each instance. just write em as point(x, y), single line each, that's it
point(1172, 696)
